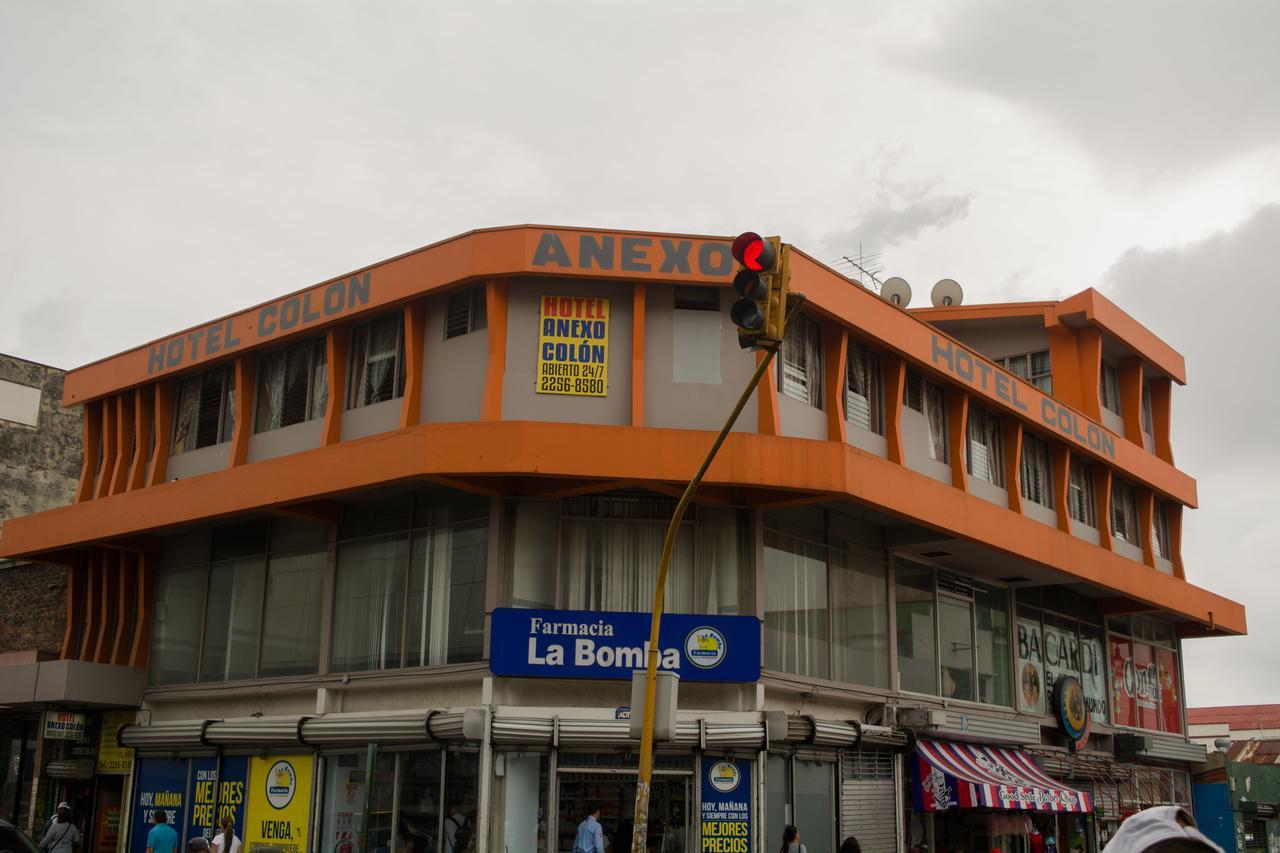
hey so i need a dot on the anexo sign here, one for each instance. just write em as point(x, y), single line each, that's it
point(595, 644)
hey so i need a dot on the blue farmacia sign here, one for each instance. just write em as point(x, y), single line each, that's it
point(596, 644)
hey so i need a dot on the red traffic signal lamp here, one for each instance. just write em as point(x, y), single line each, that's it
point(762, 286)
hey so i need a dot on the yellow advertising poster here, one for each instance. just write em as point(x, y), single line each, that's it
point(112, 757)
point(279, 803)
point(573, 346)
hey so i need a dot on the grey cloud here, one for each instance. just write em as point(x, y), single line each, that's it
point(889, 223)
point(1147, 87)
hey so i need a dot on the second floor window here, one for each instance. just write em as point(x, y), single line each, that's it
point(1031, 366)
point(863, 389)
point(930, 400)
point(1147, 422)
point(466, 312)
point(1160, 531)
point(1110, 387)
point(985, 447)
point(1124, 511)
point(292, 386)
point(377, 362)
point(1037, 478)
point(205, 413)
point(1080, 498)
point(800, 362)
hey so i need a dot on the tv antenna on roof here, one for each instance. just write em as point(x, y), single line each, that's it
point(867, 268)
point(946, 292)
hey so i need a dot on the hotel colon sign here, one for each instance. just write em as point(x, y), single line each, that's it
point(378, 556)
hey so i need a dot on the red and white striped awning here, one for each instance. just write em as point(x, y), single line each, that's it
point(948, 775)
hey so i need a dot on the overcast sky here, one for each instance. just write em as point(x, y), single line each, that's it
point(162, 163)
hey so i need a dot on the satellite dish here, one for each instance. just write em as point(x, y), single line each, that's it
point(946, 292)
point(897, 291)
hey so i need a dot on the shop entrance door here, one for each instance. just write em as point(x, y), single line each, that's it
point(614, 791)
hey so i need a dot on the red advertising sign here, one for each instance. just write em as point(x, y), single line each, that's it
point(1124, 706)
point(1170, 700)
point(1144, 686)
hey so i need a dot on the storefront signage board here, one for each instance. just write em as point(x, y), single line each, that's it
point(1144, 686)
point(112, 757)
point(160, 783)
point(1049, 653)
point(724, 815)
point(214, 797)
point(61, 725)
point(608, 644)
point(279, 802)
point(573, 346)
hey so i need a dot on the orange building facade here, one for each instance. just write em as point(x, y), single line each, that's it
point(312, 523)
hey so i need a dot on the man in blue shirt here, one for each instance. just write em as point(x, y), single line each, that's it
point(162, 838)
point(590, 838)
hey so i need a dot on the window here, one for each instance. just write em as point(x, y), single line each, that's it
point(377, 362)
point(695, 335)
point(1037, 476)
point(206, 410)
point(930, 399)
point(860, 616)
point(1053, 644)
point(800, 364)
point(917, 647)
point(795, 605)
point(913, 392)
point(465, 312)
point(1160, 531)
point(1034, 367)
point(1145, 650)
point(410, 582)
point(864, 389)
point(240, 601)
point(1124, 511)
point(293, 385)
point(1110, 387)
point(1147, 423)
point(1080, 496)
point(985, 446)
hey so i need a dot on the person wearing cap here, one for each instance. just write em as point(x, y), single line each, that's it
point(1163, 829)
point(198, 844)
point(62, 835)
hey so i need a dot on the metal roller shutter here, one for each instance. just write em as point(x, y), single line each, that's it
point(868, 799)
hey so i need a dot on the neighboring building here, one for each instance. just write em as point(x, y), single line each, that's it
point(380, 544)
point(1237, 794)
point(1233, 723)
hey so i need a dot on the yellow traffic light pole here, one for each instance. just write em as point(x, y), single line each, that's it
point(640, 833)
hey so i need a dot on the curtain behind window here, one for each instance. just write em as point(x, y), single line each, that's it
point(801, 362)
point(985, 450)
point(612, 564)
point(935, 411)
point(795, 606)
point(724, 560)
point(863, 389)
point(1036, 477)
point(446, 594)
point(369, 603)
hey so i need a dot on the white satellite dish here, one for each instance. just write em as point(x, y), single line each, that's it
point(946, 292)
point(897, 291)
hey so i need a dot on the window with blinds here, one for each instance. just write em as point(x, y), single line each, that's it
point(800, 367)
point(913, 392)
point(1124, 511)
point(1160, 531)
point(465, 312)
point(377, 368)
point(985, 448)
point(205, 414)
point(1080, 498)
point(292, 386)
point(1110, 387)
point(864, 389)
point(930, 399)
point(1034, 367)
point(1037, 476)
point(1147, 422)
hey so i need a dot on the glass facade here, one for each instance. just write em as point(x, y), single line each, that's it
point(1059, 633)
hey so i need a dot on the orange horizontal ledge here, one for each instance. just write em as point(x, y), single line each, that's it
point(619, 454)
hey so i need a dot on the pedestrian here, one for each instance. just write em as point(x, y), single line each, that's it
point(162, 838)
point(198, 844)
point(457, 832)
point(590, 837)
point(226, 841)
point(62, 835)
point(851, 845)
point(791, 841)
point(1167, 829)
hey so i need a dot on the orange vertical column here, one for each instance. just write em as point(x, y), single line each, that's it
point(246, 390)
point(895, 379)
point(1102, 498)
point(957, 434)
point(145, 605)
point(836, 345)
point(1161, 417)
point(1089, 343)
point(336, 374)
point(495, 299)
point(415, 342)
point(1146, 509)
point(92, 606)
point(126, 598)
point(124, 442)
point(1064, 362)
point(638, 381)
point(1061, 478)
point(143, 408)
point(1013, 460)
point(1129, 372)
point(77, 593)
point(164, 431)
point(91, 413)
point(108, 571)
point(1174, 513)
point(770, 423)
point(108, 464)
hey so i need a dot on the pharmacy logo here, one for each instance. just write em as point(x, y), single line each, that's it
point(705, 647)
point(282, 782)
point(724, 776)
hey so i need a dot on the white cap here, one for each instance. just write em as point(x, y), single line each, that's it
point(1147, 828)
point(64, 805)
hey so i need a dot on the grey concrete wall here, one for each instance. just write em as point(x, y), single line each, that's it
point(693, 405)
point(915, 447)
point(1112, 421)
point(1124, 549)
point(1164, 565)
point(453, 370)
point(520, 400)
point(370, 420)
point(1042, 514)
point(866, 440)
point(40, 465)
point(200, 461)
point(1085, 532)
point(998, 495)
point(1001, 339)
point(291, 439)
point(800, 420)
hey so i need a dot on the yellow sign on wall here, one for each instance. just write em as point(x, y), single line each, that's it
point(279, 803)
point(573, 346)
point(112, 757)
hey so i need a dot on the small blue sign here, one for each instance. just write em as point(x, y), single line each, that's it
point(605, 644)
point(725, 811)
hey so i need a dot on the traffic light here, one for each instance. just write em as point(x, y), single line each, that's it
point(762, 285)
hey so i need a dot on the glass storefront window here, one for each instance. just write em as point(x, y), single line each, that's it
point(955, 635)
point(814, 804)
point(419, 819)
point(778, 795)
point(520, 802)
point(991, 612)
point(175, 639)
point(795, 606)
point(446, 594)
point(1093, 671)
point(369, 603)
point(291, 631)
point(461, 797)
point(860, 618)
point(917, 645)
point(233, 618)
